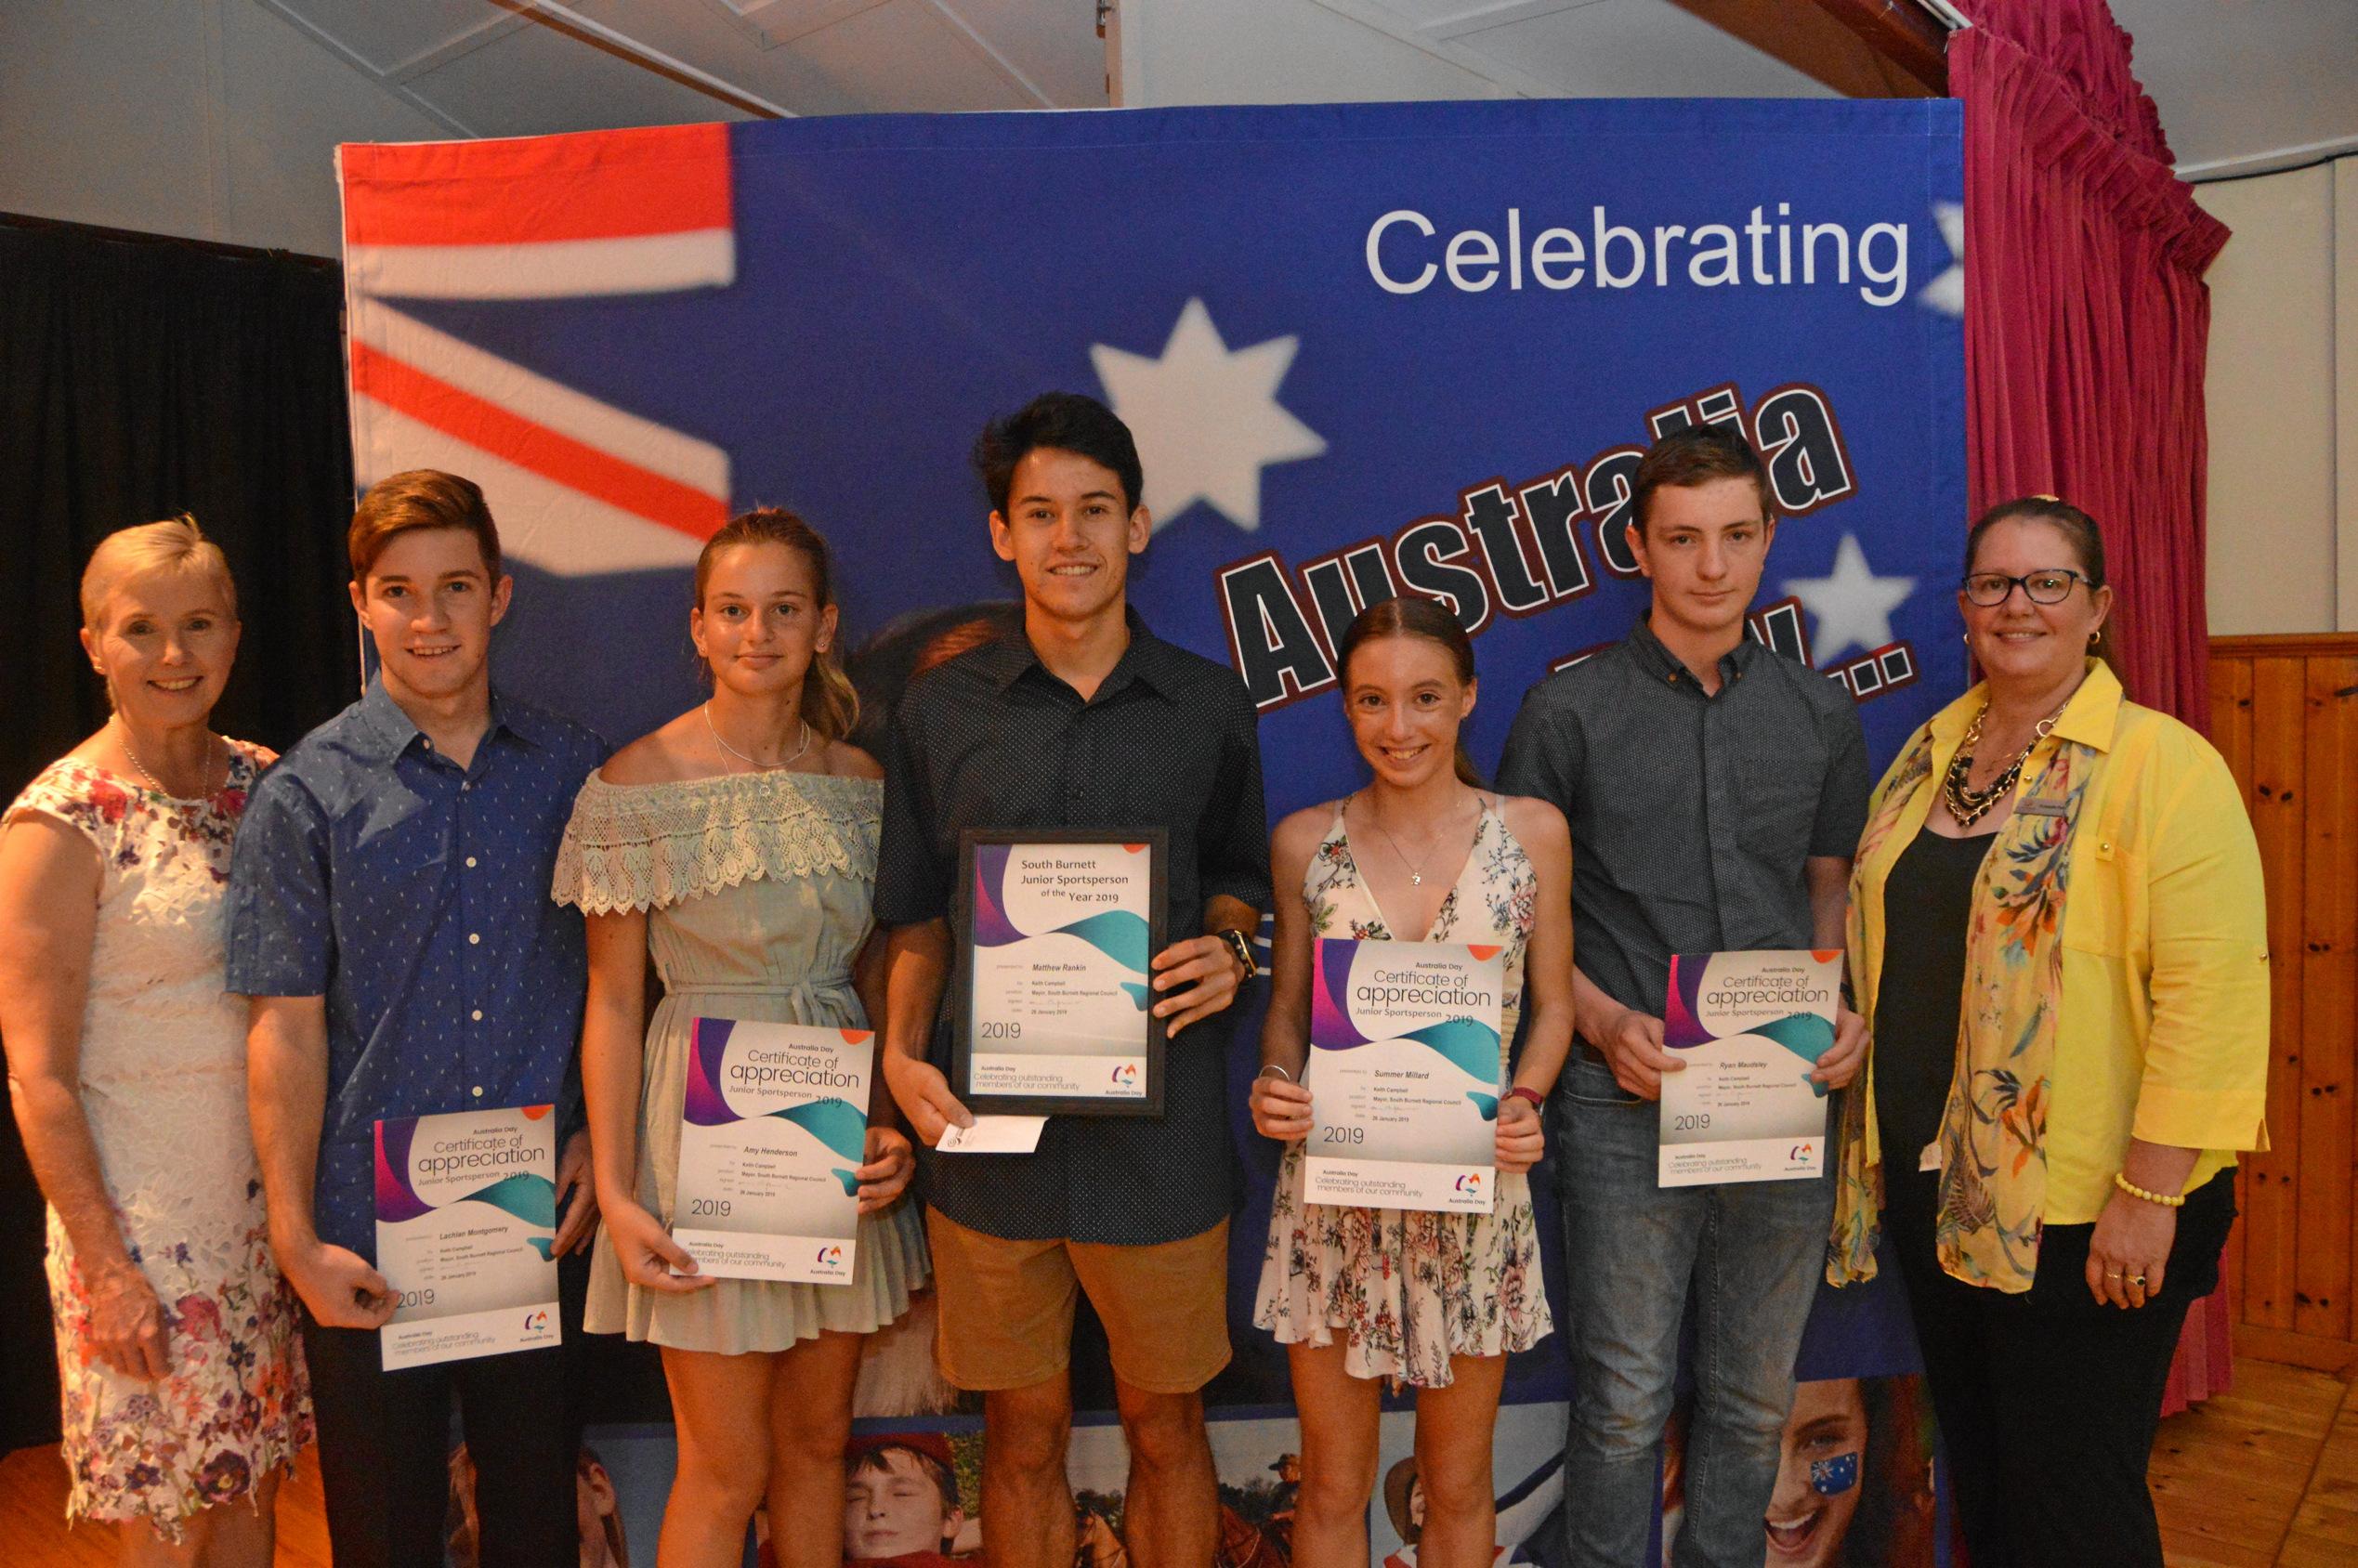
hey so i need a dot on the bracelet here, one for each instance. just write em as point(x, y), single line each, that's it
point(1272, 1068)
point(1525, 1091)
point(2133, 1190)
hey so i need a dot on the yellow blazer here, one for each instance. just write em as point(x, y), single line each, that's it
point(2163, 1032)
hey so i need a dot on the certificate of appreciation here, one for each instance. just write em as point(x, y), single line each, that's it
point(1055, 1011)
point(1403, 1075)
point(466, 1229)
point(772, 1129)
point(1750, 1027)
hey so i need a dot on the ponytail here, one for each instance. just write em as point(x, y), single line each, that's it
point(830, 704)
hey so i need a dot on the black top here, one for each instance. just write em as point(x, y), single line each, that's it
point(1168, 740)
point(1691, 814)
point(1927, 901)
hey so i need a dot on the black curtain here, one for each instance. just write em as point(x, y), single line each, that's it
point(141, 377)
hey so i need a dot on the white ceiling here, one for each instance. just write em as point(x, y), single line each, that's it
point(2239, 83)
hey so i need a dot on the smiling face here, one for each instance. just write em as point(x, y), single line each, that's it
point(1070, 533)
point(1819, 1475)
point(1405, 702)
point(164, 645)
point(429, 605)
point(2019, 641)
point(760, 625)
point(1703, 546)
point(893, 1504)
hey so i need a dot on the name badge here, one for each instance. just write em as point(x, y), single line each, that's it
point(2039, 808)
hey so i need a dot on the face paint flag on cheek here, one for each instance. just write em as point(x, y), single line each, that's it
point(1832, 1478)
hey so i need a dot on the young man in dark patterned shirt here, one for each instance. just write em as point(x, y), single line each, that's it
point(1716, 791)
point(1086, 720)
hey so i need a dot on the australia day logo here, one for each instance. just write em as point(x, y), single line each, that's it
point(831, 1258)
point(1126, 1075)
point(1799, 1153)
point(1470, 1182)
point(535, 1321)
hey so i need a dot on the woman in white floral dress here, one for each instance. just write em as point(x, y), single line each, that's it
point(1433, 1301)
point(185, 1396)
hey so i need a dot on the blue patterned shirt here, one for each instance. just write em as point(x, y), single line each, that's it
point(372, 871)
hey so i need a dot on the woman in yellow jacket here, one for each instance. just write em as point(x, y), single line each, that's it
point(2057, 930)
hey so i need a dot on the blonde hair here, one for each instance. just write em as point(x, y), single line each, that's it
point(175, 544)
point(830, 704)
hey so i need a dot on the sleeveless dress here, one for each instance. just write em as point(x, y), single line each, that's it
point(1406, 1289)
point(162, 1085)
point(756, 889)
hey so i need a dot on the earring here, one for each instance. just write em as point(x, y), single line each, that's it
point(2092, 636)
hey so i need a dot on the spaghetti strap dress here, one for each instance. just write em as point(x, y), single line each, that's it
point(1404, 1290)
point(756, 889)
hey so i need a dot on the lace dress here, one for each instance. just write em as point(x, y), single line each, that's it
point(1407, 1289)
point(756, 888)
point(163, 1078)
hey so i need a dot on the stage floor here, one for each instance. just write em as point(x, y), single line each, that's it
point(2264, 1476)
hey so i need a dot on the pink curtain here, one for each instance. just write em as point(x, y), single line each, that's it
point(2086, 322)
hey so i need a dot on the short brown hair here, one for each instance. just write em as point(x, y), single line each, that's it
point(423, 498)
point(1693, 457)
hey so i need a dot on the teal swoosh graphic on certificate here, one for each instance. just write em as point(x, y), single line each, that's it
point(1487, 1104)
point(1469, 1047)
point(530, 1198)
point(1138, 993)
point(833, 1123)
point(1118, 934)
point(1804, 1034)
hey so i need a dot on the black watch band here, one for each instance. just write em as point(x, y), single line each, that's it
point(1242, 947)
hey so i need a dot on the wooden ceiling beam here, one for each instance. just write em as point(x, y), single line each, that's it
point(1861, 48)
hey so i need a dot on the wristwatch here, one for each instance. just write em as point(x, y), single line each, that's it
point(1242, 948)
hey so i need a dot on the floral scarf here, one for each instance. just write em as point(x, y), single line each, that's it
point(1993, 1137)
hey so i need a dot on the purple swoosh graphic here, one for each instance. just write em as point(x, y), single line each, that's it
point(1330, 1024)
point(704, 1106)
point(1681, 1028)
point(992, 928)
point(396, 1199)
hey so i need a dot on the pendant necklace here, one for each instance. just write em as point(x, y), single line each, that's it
point(142, 768)
point(1415, 868)
point(755, 763)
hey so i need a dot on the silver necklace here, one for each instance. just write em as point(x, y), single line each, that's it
point(203, 779)
point(1415, 868)
point(755, 763)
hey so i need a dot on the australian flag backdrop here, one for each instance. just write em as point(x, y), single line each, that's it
point(1365, 349)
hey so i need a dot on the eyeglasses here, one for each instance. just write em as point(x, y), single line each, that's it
point(1990, 589)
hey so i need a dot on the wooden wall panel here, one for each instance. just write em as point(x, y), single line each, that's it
point(2284, 715)
point(2279, 793)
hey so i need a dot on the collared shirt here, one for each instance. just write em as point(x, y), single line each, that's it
point(372, 870)
point(1691, 812)
point(1168, 740)
point(2162, 1032)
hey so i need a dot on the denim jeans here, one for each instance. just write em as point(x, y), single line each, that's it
point(1753, 1253)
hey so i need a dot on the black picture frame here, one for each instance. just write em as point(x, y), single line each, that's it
point(1157, 842)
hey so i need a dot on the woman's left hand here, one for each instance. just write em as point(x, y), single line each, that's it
point(890, 1164)
point(2130, 1250)
point(1521, 1138)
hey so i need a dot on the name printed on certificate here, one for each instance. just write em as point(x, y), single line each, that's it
point(773, 1130)
point(465, 1233)
point(1403, 1075)
point(1061, 938)
point(1749, 1026)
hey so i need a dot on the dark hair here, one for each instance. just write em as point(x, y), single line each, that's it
point(1410, 615)
point(945, 1482)
point(1068, 422)
point(1697, 455)
point(422, 498)
point(830, 705)
point(2079, 531)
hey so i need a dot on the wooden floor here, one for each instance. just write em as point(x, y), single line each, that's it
point(2264, 1477)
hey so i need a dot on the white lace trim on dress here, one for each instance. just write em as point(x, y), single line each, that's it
point(646, 846)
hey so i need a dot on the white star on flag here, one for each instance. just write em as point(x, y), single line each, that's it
point(1853, 607)
point(1206, 417)
point(1945, 293)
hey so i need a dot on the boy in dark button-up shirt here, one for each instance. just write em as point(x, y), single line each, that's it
point(1716, 791)
point(1086, 720)
point(389, 916)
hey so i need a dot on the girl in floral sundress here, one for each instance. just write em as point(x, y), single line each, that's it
point(1433, 1301)
point(184, 1392)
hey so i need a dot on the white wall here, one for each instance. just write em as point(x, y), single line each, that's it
point(213, 119)
point(2282, 397)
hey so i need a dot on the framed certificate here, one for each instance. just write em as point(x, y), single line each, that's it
point(1749, 1026)
point(1403, 1075)
point(1054, 1000)
point(773, 1128)
point(465, 1228)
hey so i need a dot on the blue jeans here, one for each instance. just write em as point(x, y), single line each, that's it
point(1753, 1253)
